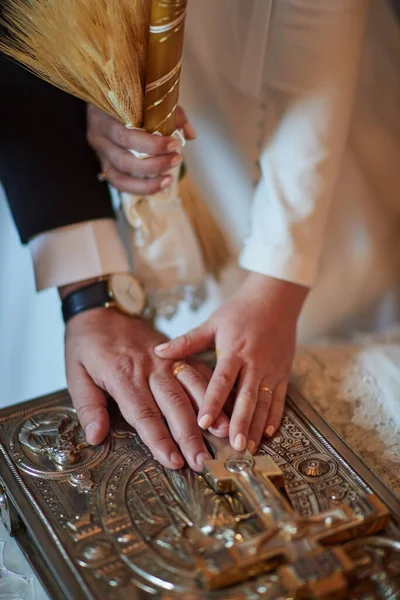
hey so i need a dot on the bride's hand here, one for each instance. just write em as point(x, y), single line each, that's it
point(254, 334)
point(112, 141)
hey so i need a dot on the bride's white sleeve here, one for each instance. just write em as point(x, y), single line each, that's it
point(311, 74)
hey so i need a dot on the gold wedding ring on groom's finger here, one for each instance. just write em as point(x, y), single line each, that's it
point(178, 368)
point(265, 388)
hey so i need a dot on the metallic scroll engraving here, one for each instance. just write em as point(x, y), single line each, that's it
point(315, 466)
point(52, 444)
point(128, 524)
point(54, 436)
point(82, 481)
point(93, 553)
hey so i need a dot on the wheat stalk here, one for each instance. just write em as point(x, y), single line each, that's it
point(97, 51)
point(93, 49)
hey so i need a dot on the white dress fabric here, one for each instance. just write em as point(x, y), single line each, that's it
point(276, 81)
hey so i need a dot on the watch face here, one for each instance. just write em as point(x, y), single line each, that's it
point(127, 293)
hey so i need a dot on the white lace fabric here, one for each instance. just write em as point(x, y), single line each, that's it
point(354, 385)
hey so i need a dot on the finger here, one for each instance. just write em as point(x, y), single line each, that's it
point(189, 132)
point(125, 162)
point(183, 123)
point(180, 415)
point(207, 373)
point(277, 408)
point(244, 408)
point(260, 417)
point(218, 390)
point(140, 410)
point(197, 340)
point(136, 139)
point(136, 185)
point(180, 118)
point(195, 384)
point(90, 404)
point(201, 368)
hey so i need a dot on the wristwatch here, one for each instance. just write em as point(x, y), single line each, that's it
point(121, 290)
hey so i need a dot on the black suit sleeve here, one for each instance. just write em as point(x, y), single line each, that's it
point(46, 166)
point(396, 7)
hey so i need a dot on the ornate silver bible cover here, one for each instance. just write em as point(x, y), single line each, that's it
point(302, 519)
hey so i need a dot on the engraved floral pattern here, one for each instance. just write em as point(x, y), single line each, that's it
point(340, 381)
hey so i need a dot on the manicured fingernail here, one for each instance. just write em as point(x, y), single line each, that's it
point(270, 430)
point(91, 433)
point(166, 182)
point(163, 347)
point(251, 446)
point(190, 131)
point(173, 146)
point(177, 160)
point(223, 427)
point(200, 458)
point(222, 431)
point(176, 458)
point(205, 421)
point(240, 442)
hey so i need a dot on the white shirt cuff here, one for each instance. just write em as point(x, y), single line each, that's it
point(77, 252)
point(278, 262)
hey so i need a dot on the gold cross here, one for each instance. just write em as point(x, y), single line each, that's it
point(302, 549)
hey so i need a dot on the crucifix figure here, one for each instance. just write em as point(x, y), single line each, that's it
point(305, 551)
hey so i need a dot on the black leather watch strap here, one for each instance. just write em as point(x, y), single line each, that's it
point(93, 295)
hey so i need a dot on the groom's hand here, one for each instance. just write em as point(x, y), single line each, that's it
point(108, 352)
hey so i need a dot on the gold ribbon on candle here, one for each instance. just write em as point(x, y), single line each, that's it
point(164, 65)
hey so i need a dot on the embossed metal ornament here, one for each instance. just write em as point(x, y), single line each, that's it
point(287, 538)
point(50, 443)
point(110, 522)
